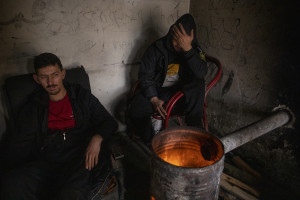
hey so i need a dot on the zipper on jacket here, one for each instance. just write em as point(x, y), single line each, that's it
point(64, 134)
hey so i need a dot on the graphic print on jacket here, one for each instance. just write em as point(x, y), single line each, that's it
point(172, 75)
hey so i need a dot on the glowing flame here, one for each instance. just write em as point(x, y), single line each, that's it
point(192, 149)
point(184, 157)
point(190, 153)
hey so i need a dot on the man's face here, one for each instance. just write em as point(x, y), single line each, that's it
point(50, 78)
point(176, 46)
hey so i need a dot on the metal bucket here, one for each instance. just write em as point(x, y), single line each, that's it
point(187, 163)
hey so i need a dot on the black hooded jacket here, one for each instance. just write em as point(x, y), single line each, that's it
point(161, 53)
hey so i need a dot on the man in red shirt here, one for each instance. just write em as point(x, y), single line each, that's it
point(59, 138)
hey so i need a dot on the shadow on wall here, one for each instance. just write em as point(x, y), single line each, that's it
point(147, 35)
point(29, 65)
point(3, 123)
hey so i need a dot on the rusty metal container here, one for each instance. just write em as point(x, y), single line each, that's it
point(186, 164)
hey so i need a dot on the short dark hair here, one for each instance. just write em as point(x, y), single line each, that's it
point(44, 60)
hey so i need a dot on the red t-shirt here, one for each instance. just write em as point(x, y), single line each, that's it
point(61, 115)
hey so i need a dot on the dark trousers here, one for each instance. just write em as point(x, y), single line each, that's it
point(58, 172)
point(192, 102)
point(46, 180)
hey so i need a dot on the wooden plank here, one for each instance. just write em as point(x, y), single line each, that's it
point(240, 184)
point(223, 193)
point(240, 174)
point(236, 190)
point(243, 165)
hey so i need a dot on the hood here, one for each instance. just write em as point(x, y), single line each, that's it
point(188, 24)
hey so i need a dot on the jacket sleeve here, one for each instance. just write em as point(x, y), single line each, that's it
point(20, 144)
point(102, 122)
point(146, 73)
point(197, 64)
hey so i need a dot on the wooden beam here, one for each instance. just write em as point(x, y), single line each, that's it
point(240, 174)
point(240, 184)
point(236, 190)
point(243, 165)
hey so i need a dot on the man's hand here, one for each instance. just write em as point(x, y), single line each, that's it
point(158, 106)
point(183, 40)
point(92, 152)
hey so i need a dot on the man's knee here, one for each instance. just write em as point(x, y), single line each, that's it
point(140, 107)
point(198, 84)
point(195, 90)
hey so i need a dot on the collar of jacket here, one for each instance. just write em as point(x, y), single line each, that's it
point(41, 97)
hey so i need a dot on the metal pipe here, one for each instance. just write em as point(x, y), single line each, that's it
point(255, 130)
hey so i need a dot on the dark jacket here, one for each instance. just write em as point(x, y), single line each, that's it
point(35, 141)
point(158, 56)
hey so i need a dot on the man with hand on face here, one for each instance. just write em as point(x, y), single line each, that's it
point(174, 62)
point(61, 130)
